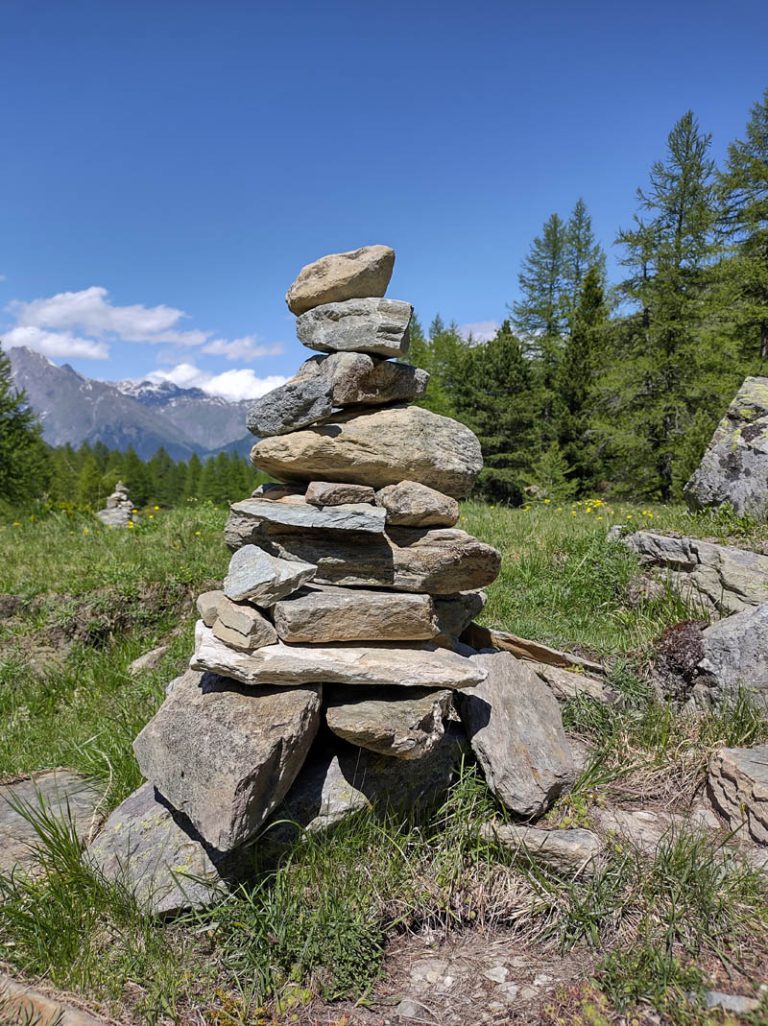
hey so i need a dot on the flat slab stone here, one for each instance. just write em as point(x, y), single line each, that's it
point(515, 728)
point(61, 793)
point(378, 448)
point(569, 853)
point(378, 327)
point(403, 725)
point(411, 504)
point(358, 516)
point(388, 664)
point(339, 276)
point(319, 615)
point(243, 626)
point(263, 578)
point(328, 493)
point(734, 468)
point(440, 561)
point(645, 829)
point(566, 685)
point(224, 755)
point(158, 856)
point(738, 784)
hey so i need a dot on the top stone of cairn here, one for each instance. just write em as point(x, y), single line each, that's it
point(358, 274)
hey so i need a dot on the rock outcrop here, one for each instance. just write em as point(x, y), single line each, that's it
point(738, 785)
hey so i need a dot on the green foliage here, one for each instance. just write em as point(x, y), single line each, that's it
point(22, 454)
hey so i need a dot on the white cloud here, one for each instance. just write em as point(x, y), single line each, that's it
point(481, 331)
point(236, 384)
point(246, 348)
point(56, 344)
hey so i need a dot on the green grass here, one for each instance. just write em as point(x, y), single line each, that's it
point(319, 922)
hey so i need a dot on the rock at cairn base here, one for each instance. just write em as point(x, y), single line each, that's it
point(119, 508)
point(383, 664)
point(254, 574)
point(568, 853)
point(224, 755)
point(356, 274)
point(321, 615)
point(378, 327)
point(406, 726)
point(378, 448)
point(738, 783)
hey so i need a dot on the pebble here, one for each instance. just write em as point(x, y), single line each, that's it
point(497, 974)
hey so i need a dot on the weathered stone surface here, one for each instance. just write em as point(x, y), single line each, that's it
point(735, 655)
point(243, 626)
point(416, 664)
point(378, 448)
point(255, 574)
point(320, 615)
point(278, 492)
point(149, 661)
point(339, 276)
point(224, 755)
point(354, 516)
point(566, 685)
point(738, 784)
point(569, 853)
point(721, 578)
point(404, 725)
point(410, 504)
point(323, 383)
point(735, 466)
point(337, 783)
point(60, 793)
point(208, 606)
point(22, 1005)
point(514, 726)
point(328, 493)
point(455, 613)
point(646, 829)
point(158, 856)
point(440, 561)
point(378, 327)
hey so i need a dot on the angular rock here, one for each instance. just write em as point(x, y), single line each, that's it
point(514, 726)
point(149, 661)
point(410, 504)
point(387, 663)
point(378, 327)
point(243, 626)
point(722, 578)
point(734, 468)
point(224, 755)
point(339, 276)
point(61, 794)
point(378, 448)
point(406, 726)
point(159, 857)
point(325, 382)
point(254, 574)
point(354, 516)
point(566, 685)
point(735, 655)
point(319, 615)
point(440, 561)
point(569, 853)
point(326, 493)
point(738, 784)
point(455, 613)
point(208, 606)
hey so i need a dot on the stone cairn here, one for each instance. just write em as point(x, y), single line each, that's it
point(119, 509)
point(326, 670)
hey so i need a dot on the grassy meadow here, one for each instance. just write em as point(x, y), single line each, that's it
point(80, 602)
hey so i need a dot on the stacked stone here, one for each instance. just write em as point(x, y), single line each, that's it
point(325, 670)
point(119, 509)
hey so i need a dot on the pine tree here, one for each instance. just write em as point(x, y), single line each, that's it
point(24, 466)
point(540, 315)
point(582, 253)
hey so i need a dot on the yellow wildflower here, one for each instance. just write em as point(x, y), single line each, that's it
point(156, 508)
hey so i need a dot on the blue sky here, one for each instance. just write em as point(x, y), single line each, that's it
point(169, 165)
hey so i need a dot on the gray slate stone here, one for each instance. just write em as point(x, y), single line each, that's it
point(569, 853)
point(156, 853)
point(340, 276)
point(243, 626)
point(738, 784)
point(328, 493)
point(455, 613)
point(566, 685)
point(320, 615)
point(378, 327)
point(646, 829)
point(390, 722)
point(736, 655)
point(515, 728)
point(62, 794)
point(734, 468)
point(411, 504)
point(296, 404)
point(441, 561)
point(225, 755)
point(256, 575)
point(398, 664)
point(721, 578)
point(357, 516)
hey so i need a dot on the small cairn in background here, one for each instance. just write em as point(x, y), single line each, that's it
point(119, 509)
point(329, 674)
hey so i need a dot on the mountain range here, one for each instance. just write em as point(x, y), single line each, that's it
point(146, 415)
